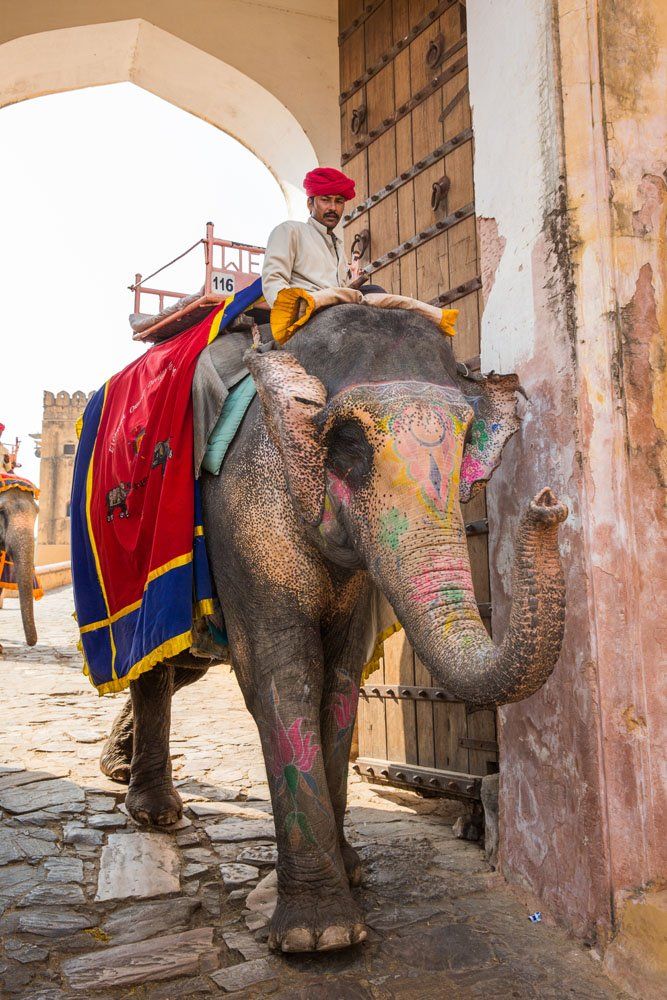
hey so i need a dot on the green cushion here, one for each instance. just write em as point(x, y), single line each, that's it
point(233, 411)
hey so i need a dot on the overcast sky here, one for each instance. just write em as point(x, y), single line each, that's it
point(96, 185)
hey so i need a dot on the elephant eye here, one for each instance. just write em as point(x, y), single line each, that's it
point(349, 455)
point(468, 434)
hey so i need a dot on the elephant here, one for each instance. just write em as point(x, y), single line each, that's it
point(18, 511)
point(161, 454)
point(117, 500)
point(346, 478)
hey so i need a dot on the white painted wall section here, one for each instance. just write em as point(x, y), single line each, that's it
point(516, 158)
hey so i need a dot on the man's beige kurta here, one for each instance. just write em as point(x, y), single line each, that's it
point(302, 255)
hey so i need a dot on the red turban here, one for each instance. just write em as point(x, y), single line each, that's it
point(328, 180)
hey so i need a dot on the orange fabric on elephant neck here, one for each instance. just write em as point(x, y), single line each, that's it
point(8, 481)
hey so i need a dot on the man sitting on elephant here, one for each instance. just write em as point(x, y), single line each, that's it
point(309, 254)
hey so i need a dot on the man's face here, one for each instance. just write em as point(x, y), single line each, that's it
point(327, 209)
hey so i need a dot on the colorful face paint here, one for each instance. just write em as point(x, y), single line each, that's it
point(393, 524)
point(471, 469)
point(416, 432)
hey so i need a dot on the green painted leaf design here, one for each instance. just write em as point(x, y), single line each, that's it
point(305, 827)
point(291, 773)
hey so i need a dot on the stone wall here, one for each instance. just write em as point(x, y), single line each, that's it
point(568, 111)
point(54, 575)
point(56, 468)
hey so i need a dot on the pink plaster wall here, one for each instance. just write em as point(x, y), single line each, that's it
point(552, 838)
point(633, 47)
point(583, 812)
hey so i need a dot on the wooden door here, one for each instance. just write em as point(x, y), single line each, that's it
point(407, 141)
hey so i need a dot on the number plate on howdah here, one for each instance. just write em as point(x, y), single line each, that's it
point(223, 283)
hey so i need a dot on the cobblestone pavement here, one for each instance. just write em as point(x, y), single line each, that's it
point(91, 905)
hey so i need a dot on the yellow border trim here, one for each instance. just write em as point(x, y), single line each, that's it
point(172, 646)
point(89, 493)
point(153, 575)
point(204, 608)
point(217, 320)
point(172, 564)
point(169, 648)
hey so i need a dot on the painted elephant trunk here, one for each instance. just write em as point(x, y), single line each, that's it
point(440, 616)
point(21, 547)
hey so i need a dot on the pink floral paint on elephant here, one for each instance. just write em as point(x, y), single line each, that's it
point(345, 709)
point(293, 754)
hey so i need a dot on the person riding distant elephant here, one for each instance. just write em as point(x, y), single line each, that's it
point(343, 485)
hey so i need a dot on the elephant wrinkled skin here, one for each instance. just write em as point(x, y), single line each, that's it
point(18, 511)
point(346, 475)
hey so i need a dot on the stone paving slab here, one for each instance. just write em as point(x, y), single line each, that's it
point(92, 905)
point(146, 920)
point(159, 958)
point(135, 865)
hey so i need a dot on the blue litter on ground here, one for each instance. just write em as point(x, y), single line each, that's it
point(536, 917)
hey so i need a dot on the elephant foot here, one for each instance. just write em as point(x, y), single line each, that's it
point(308, 922)
point(116, 761)
point(156, 805)
point(352, 862)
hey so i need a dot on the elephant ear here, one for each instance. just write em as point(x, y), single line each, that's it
point(494, 400)
point(291, 400)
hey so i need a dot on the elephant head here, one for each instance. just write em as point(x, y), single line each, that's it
point(378, 471)
point(18, 511)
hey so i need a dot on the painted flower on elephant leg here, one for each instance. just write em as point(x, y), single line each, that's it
point(345, 709)
point(292, 749)
point(293, 754)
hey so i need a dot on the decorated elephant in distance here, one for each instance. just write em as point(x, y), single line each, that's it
point(18, 511)
point(346, 478)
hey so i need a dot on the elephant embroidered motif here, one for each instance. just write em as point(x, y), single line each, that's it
point(117, 500)
point(161, 454)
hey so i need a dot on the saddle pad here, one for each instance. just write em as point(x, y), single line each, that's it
point(233, 411)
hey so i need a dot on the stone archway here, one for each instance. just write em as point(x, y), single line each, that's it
point(139, 52)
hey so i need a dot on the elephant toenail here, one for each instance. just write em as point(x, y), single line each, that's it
point(298, 939)
point(359, 934)
point(333, 938)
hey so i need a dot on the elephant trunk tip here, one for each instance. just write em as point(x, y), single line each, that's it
point(31, 638)
point(547, 509)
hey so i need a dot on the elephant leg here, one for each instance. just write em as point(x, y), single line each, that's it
point(339, 710)
point(151, 796)
point(116, 756)
point(315, 910)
